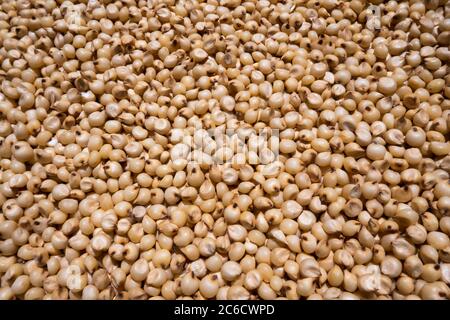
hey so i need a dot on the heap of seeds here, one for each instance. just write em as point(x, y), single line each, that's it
point(112, 188)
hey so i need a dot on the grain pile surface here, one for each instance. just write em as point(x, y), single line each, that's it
point(224, 149)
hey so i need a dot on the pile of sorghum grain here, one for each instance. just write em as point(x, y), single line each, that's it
point(112, 188)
